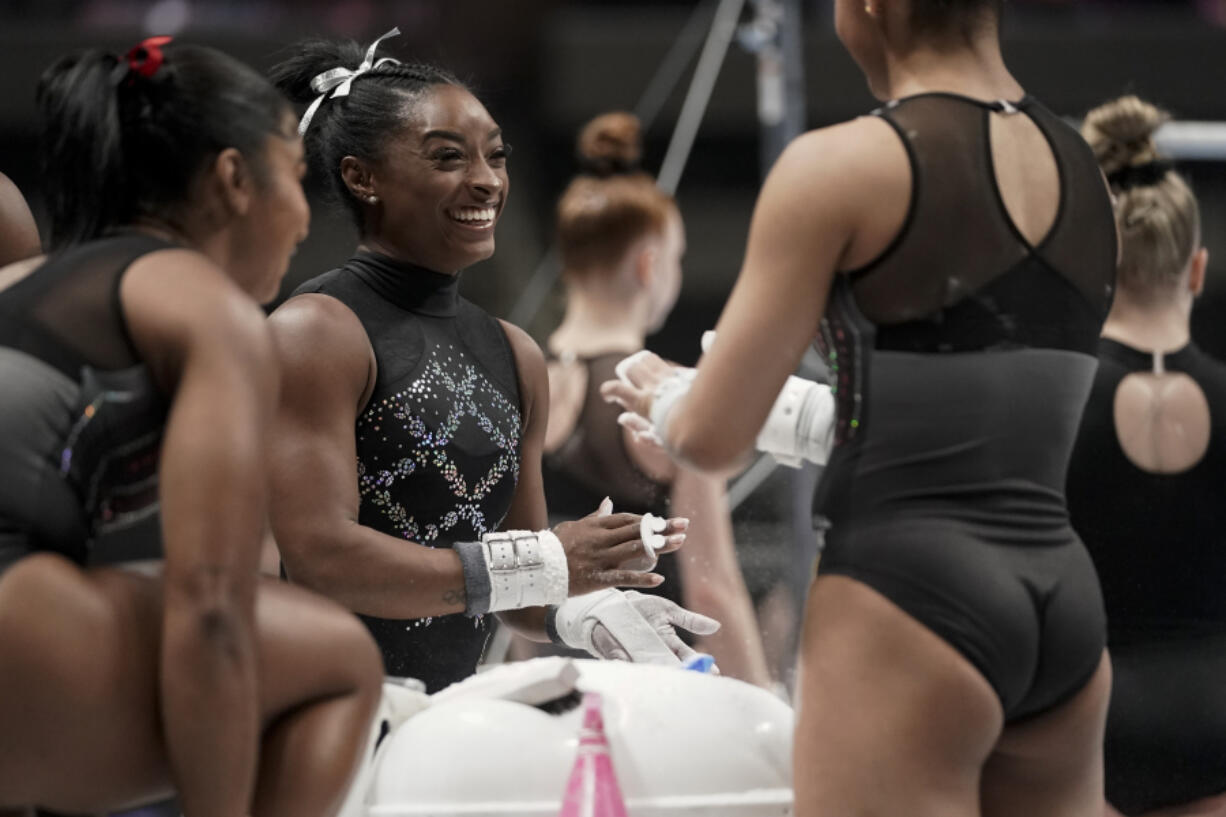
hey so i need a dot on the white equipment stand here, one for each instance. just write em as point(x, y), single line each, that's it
point(682, 743)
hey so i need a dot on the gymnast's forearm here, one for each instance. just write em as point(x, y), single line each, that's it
point(711, 579)
point(208, 667)
point(375, 574)
point(699, 447)
point(213, 505)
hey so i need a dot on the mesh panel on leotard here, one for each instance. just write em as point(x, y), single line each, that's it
point(963, 357)
point(82, 422)
point(592, 462)
point(67, 312)
point(960, 276)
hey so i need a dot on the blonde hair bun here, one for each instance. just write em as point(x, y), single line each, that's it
point(1121, 132)
point(610, 144)
point(1158, 217)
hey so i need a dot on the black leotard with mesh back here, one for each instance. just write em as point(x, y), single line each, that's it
point(963, 357)
point(81, 421)
point(438, 442)
point(1159, 543)
point(592, 463)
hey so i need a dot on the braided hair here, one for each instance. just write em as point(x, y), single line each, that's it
point(361, 123)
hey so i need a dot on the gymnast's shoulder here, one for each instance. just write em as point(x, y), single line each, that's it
point(855, 153)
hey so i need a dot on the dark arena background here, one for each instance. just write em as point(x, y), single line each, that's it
point(545, 67)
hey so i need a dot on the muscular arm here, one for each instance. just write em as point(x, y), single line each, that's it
point(327, 368)
point(18, 232)
point(804, 223)
point(527, 511)
point(207, 346)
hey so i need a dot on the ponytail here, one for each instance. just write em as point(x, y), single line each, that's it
point(121, 140)
point(82, 147)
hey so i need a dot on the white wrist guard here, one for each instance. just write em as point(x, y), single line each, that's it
point(800, 425)
point(666, 397)
point(508, 570)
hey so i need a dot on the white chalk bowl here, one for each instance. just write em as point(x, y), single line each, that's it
point(682, 743)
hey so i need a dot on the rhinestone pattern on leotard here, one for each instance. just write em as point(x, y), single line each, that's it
point(451, 396)
point(437, 443)
point(841, 344)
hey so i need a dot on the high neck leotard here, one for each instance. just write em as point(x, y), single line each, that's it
point(438, 442)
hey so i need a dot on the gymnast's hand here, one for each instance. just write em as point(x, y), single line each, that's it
point(628, 626)
point(666, 617)
point(638, 378)
point(599, 546)
point(647, 387)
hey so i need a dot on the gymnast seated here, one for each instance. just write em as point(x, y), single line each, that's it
point(407, 461)
point(139, 385)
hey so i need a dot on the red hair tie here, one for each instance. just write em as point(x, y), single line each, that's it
point(147, 57)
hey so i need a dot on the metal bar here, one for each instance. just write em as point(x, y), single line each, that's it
point(680, 55)
point(1190, 141)
point(536, 290)
point(499, 646)
point(661, 85)
point(1204, 141)
point(750, 480)
point(723, 28)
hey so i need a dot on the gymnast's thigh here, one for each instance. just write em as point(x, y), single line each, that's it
point(310, 649)
point(891, 718)
point(957, 585)
point(78, 687)
point(79, 654)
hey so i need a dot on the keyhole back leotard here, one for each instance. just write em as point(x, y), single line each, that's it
point(962, 359)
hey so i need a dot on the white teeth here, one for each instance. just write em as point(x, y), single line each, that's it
point(474, 214)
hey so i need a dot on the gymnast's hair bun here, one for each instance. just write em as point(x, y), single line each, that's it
point(611, 144)
point(1122, 133)
point(1157, 213)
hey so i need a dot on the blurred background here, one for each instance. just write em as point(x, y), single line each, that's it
point(544, 67)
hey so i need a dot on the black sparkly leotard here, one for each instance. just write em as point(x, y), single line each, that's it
point(81, 421)
point(1159, 543)
point(438, 442)
point(963, 357)
point(593, 463)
